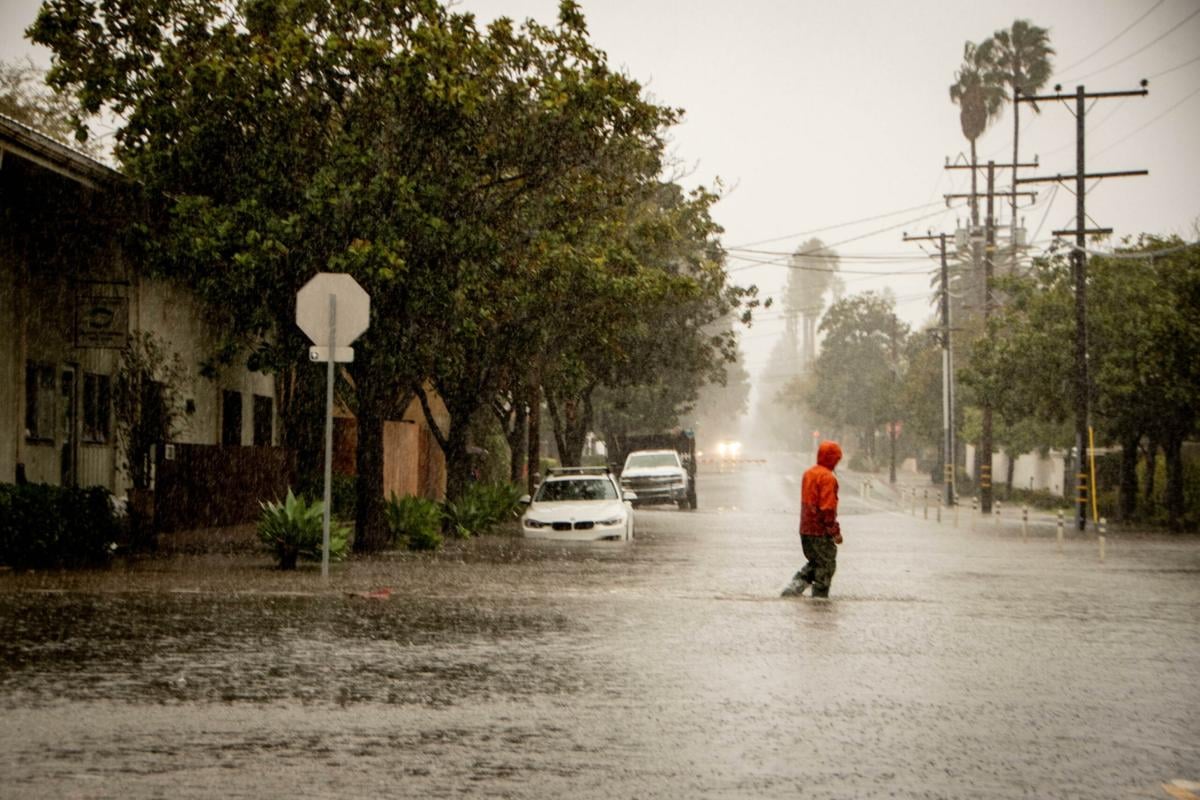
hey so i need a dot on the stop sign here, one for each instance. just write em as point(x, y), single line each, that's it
point(351, 308)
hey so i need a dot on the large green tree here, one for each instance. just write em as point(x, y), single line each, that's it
point(855, 383)
point(454, 172)
point(1143, 330)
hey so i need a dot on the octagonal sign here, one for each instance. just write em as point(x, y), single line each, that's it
point(351, 308)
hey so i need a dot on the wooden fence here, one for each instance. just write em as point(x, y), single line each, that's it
point(208, 486)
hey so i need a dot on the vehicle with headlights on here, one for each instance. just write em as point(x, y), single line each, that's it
point(658, 476)
point(579, 504)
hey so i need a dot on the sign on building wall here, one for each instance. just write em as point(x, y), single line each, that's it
point(101, 318)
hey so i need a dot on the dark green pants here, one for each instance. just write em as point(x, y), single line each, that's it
point(821, 553)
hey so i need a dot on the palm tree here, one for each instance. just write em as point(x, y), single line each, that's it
point(1020, 56)
point(980, 93)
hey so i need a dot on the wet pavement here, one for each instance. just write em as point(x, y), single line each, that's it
point(949, 663)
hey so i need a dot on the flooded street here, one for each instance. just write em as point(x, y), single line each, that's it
point(949, 663)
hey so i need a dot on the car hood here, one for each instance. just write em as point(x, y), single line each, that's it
point(576, 510)
point(650, 472)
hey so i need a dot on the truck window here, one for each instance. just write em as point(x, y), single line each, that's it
point(652, 460)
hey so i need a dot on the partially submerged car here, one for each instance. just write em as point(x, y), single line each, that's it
point(657, 476)
point(579, 504)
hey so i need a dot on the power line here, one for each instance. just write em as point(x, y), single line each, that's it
point(1126, 30)
point(1142, 127)
point(1154, 41)
point(939, 213)
point(839, 225)
point(830, 257)
point(1172, 69)
point(1139, 256)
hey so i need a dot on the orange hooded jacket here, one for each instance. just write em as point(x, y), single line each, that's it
point(819, 494)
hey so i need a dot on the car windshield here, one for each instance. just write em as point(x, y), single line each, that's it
point(576, 489)
point(652, 460)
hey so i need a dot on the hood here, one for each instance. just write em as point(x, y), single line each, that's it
point(829, 454)
point(575, 509)
point(644, 472)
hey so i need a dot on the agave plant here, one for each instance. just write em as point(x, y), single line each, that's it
point(415, 521)
point(294, 528)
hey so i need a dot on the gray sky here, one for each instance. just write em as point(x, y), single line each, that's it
point(816, 113)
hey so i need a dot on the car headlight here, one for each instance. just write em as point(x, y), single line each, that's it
point(533, 523)
point(611, 521)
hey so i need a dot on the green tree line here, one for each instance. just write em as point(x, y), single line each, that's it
point(498, 192)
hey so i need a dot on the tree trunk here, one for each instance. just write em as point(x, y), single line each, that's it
point(1173, 449)
point(301, 393)
point(572, 418)
point(557, 426)
point(1012, 472)
point(458, 458)
point(533, 458)
point(512, 417)
point(516, 441)
point(370, 523)
point(1151, 471)
point(1128, 489)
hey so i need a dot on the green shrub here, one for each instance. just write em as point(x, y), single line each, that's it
point(466, 516)
point(1039, 498)
point(343, 492)
point(44, 526)
point(295, 528)
point(415, 522)
point(502, 500)
point(481, 507)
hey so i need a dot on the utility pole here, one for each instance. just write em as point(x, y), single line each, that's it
point(893, 422)
point(986, 445)
point(1081, 385)
point(985, 435)
point(947, 370)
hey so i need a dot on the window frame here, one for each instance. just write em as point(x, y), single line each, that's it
point(97, 409)
point(41, 401)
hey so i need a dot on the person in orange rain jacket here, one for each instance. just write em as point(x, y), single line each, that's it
point(820, 533)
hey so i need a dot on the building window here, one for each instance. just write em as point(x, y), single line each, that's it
point(264, 410)
point(39, 401)
point(97, 408)
point(231, 417)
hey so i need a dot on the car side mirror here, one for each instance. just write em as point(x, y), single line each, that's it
point(629, 496)
point(525, 500)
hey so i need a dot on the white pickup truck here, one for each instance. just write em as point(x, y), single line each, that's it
point(657, 476)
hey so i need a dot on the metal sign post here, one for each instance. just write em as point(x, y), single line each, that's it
point(331, 308)
point(328, 497)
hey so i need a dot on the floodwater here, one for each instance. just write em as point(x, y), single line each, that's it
point(949, 663)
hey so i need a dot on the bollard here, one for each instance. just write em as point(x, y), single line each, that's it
point(925, 502)
point(939, 510)
point(912, 496)
point(1060, 531)
point(996, 511)
point(1024, 523)
point(972, 517)
point(1103, 538)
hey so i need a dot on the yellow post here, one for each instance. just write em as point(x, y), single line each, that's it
point(1092, 459)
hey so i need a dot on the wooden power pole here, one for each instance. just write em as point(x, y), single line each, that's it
point(1080, 384)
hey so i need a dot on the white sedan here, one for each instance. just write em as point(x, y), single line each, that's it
point(577, 505)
